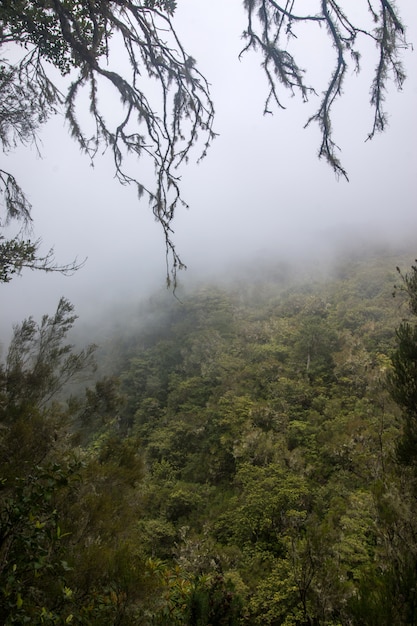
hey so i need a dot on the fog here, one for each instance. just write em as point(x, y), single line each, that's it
point(261, 192)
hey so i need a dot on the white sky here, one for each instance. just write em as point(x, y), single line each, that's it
point(261, 189)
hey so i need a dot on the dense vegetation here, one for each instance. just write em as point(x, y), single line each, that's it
point(239, 460)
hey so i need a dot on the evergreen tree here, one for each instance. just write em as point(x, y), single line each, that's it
point(403, 379)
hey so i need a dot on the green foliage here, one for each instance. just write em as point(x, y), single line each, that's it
point(404, 388)
point(38, 363)
point(269, 507)
point(16, 254)
point(403, 379)
point(64, 557)
point(276, 600)
point(32, 559)
point(213, 478)
point(199, 600)
point(292, 448)
point(37, 23)
point(409, 286)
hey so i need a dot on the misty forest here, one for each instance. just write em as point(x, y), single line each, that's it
point(232, 451)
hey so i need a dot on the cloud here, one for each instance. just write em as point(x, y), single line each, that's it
point(261, 190)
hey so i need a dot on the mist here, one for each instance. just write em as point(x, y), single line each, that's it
point(260, 196)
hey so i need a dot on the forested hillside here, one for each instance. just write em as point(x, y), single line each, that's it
point(235, 461)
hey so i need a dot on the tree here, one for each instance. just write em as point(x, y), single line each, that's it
point(68, 515)
point(18, 253)
point(271, 27)
point(35, 466)
point(79, 38)
point(23, 109)
point(403, 379)
point(75, 37)
point(39, 364)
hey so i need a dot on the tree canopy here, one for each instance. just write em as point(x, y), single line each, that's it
point(403, 379)
point(235, 463)
point(79, 39)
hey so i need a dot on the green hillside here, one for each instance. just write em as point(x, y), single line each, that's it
point(235, 463)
